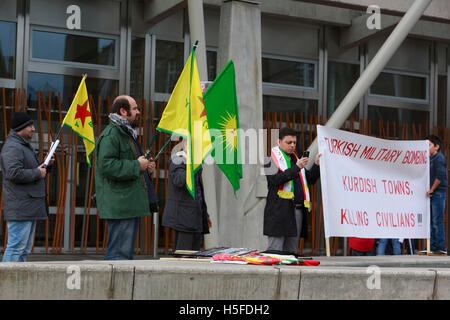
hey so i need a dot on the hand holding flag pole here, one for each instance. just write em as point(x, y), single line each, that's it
point(162, 149)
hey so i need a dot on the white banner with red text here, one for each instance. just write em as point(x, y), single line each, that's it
point(373, 188)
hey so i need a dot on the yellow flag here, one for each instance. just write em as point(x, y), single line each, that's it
point(185, 116)
point(80, 120)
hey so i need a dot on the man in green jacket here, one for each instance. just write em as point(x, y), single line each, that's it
point(124, 190)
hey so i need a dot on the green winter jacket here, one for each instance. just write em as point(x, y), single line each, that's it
point(120, 188)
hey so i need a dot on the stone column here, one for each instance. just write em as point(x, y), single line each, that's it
point(239, 220)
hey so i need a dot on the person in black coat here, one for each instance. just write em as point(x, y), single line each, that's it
point(24, 191)
point(285, 214)
point(186, 215)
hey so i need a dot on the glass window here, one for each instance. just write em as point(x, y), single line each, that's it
point(293, 110)
point(341, 78)
point(211, 59)
point(169, 64)
point(398, 117)
point(67, 87)
point(7, 49)
point(74, 48)
point(399, 85)
point(137, 68)
point(288, 72)
point(442, 101)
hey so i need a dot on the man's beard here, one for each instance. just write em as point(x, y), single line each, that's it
point(135, 123)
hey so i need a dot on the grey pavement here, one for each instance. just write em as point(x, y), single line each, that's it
point(89, 277)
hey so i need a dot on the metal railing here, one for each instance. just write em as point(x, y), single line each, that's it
point(75, 228)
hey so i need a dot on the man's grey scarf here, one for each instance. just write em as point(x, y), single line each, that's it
point(123, 123)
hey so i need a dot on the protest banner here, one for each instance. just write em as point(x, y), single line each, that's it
point(373, 188)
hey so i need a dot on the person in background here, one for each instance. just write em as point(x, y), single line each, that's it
point(362, 246)
point(395, 243)
point(187, 216)
point(437, 194)
point(24, 192)
point(124, 190)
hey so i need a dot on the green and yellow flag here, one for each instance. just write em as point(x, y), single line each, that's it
point(185, 116)
point(223, 121)
point(80, 120)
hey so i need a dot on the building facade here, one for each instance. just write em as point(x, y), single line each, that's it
point(312, 52)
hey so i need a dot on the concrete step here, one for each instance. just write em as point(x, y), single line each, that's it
point(355, 278)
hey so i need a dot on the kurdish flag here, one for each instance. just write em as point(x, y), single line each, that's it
point(80, 120)
point(185, 116)
point(223, 116)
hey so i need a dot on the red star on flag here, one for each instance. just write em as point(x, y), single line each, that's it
point(82, 113)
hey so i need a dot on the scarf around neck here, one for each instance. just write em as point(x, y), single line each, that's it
point(123, 123)
point(286, 191)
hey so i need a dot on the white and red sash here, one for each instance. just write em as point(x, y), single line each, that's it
point(286, 191)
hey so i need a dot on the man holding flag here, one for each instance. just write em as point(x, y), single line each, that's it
point(124, 190)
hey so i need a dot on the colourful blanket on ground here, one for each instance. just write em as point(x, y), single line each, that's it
point(264, 259)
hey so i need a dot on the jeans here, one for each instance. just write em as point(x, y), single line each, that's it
point(396, 247)
point(20, 240)
point(288, 244)
point(121, 243)
point(437, 232)
point(357, 253)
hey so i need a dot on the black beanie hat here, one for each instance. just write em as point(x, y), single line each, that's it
point(20, 120)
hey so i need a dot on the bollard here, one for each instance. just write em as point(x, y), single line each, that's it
point(155, 233)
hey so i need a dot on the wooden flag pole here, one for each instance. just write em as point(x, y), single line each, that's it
point(327, 246)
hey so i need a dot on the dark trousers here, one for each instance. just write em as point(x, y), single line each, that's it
point(188, 240)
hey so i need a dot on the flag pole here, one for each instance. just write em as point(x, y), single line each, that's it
point(147, 155)
point(162, 149)
point(195, 46)
point(149, 151)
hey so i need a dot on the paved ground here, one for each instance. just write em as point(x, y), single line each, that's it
point(403, 261)
point(89, 277)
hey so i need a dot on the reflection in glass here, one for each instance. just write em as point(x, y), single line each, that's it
point(442, 101)
point(7, 49)
point(399, 85)
point(288, 72)
point(137, 68)
point(169, 64)
point(67, 87)
point(74, 48)
point(399, 117)
point(211, 59)
point(341, 78)
point(291, 108)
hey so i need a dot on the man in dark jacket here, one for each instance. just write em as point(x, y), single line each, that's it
point(186, 215)
point(288, 202)
point(123, 187)
point(23, 188)
point(437, 194)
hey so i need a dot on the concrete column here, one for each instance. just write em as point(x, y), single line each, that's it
point(239, 218)
point(197, 32)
